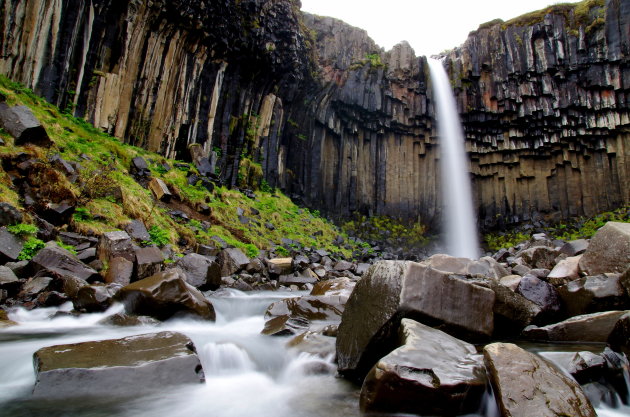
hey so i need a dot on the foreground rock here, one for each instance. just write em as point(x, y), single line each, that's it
point(22, 124)
point(62, 263)
point(595, 327)
point(117, 367)
point(431, 373)
point(526, 385)
point(164, 295)
point(392, 290)
point(608, 251)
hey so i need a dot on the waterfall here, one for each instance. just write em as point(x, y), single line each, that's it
point(459, 217)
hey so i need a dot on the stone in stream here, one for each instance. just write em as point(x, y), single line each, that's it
point(119, 367)
point(595, 327)
point(120, 271)
point(609, 250)
point(94, 298)
point(200, 271)
point(392, 290)
point(541, 293)
point(164, 295)
point(149, 261)
point(232, 260)
point(526, 385)
point(60, 262)
point(432, 373)
point(619, 339)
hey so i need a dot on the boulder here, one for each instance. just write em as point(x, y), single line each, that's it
point(232, 260)
point(595, 327)
point(541, 293)
point(285, 325)
point(120, 271)
point(336, 286)
point(565, 271)
point(7, 276)
point(313, 343)
point(484, 267)
point(115, 244)
point(35, 286)
point(609, 250)
point(574, 247)
point(20, 122)
point(619, 338)
point(164, 295)
point(61, 262)
point(512, 311)
point(200, 271)
point(392, 290)
point(298, 278)
point(586, 366)
point(539, 257)
point(69, 285)
point(138, 231)
point(9, 215)
point(94, 298)
point(326, 308)
point(125, 320)
point(149, 261)
point(160, 190)
point(10, 245)
point(595, 293)
point(511, 281)
point(343, 266)
point(432, 373)
point(526, 385)
point(280, 266)
point(120, 367)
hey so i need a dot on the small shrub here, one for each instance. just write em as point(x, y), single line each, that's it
point(30, 249)
point(281, 251)
point(23, 229)
point(159, 236)
point(82, 214)
point(69, 248)
point(251, 251)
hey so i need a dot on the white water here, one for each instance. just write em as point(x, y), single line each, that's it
point(247, 374)
point(460, 230)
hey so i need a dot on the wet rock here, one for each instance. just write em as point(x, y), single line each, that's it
point(255, 266)
point(540, 293)
point(619, 339)
point(232, 260)
point(285, 325)
point(431, 373)
point(51, 299)
point(115, 244)
point(392, 290)
point(201, 272)
point(10, 246)
point(125, 320)
point(9, 215)
point(512, 311)
point(149, 261)
point(119, 367)
point(164, 295)
point(343, 266)
point(95, 298)
point(586, 367)
point(299, 278)
point(20, 122)
point(309, 308)
point(61, 262)
point(313, 343)
point(34, 286)
point(609, 250)
point(574, 247)
point(160, 190)
point(69, 285)
point(7, 276)
point(595, 327)
point(138, 231)
point(564, 272)
point(120, 271)
point(336, 286)
point(526, 385)
point(592, 294)
point(280, 266)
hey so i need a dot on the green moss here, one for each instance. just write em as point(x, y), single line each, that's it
point(23, 229)
point(583, 14)
point(30, 249)
point(490, 24)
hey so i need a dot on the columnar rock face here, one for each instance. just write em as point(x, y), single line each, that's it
point(331, 117)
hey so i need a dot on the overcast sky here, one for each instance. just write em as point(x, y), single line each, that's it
point(430, 26)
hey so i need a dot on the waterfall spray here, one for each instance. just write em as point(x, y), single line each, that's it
point(459, 217)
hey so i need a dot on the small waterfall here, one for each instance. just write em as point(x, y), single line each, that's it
point(459, 217)
point(225, 358)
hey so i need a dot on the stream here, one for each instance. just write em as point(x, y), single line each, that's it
point(247, 374)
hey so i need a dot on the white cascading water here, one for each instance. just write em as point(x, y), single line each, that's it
point(459, 222)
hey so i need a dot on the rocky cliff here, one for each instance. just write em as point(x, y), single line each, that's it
point(316, 108)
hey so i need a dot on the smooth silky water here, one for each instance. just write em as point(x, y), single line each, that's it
point(247, 374)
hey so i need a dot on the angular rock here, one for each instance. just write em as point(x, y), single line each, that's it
point(255, 266)
point(137, 231)
point(9, 215)
point(336, 286)
point(201, 272)
point(574, 247)
point(115, 244)
point(593, 294)
point(149, 261)
point(160, 190)
point(7, 276)
point(76, 240)
point(526, 385)
point(565, 271)
point(120, 271)
point(10, 246)
point(124, 320)
point(511, 281)
point(595, 327)
point(432, 373)
point(486, 267)
point(586, 366)
point(163, 295)
point(540, 293)
point(299, 278)
point(539, 257)
point(619, 339)
point(608, 251)
point(314, 343)
point(139, 168)
point(62, 263)
point(512, 311)
point(232, 260)
point(120, 367)
point(343, 266)
point(69, 285)
point(94, 298)
point(35, 285)
point(392, 290)
point(280, 266)
point(285, 325)
point(20, 122)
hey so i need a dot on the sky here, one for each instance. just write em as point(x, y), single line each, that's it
point(430, 26)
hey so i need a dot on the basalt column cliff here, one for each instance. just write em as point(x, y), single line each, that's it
point(316, 108)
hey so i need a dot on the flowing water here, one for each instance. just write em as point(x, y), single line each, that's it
point(247, 374)
point(460, 229)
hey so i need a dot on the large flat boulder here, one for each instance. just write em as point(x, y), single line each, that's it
point(392, 290)
point(164, 295)
point(62, 263)
point(609, 250)
point(432, 373)
point(595, 327)
point(120, 367)
point(486, 266)
point(526, 385)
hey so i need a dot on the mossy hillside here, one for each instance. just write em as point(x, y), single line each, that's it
point(105, 161)
point(578, 228)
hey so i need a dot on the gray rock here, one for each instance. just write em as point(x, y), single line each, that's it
point(115, 244)
point(541, 257)
point(61, 262)
point(609, 250)
point(200, 271)
point(255, 266)
point(20, 268)
point(35, 285)
point(432, 373)
point(526, 385)
point(280, 266)
point(595, 327)
point(512, 311)
point(521, 270)
point(299, 278)
point(120, 271)
point(574, 247)
point(343, 266)
point(232, 260)
point(593, 294)
point(7, 275)
point(586, 366)
point(485, 267)
point(206, 250)
point(540, 293)
point(565, 271)
point(94, 298)
point(20, 122)
point(75, 239)
point(149, 261)
point(619, 338)
point(135, 364)
point(9, 215)
point(361, 268)
point(10, 245)
point(137, 231)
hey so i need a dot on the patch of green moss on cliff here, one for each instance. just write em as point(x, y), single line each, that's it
point(583, 14)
